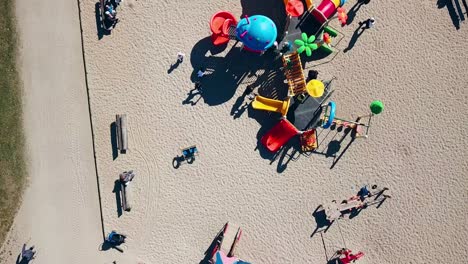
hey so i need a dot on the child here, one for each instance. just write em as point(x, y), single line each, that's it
point(180, 57)
point(370, 22)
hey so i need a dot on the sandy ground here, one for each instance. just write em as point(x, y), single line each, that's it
point(414, 60)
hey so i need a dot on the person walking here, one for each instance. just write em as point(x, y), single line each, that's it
point(180, 57)
point(27, 254)
point(370, 23)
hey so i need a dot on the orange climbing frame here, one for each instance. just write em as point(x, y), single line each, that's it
point(294, 74)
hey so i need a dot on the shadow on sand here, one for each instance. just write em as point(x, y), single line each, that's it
point(455, 11)
point(118, 200)
point(113, 138)
point(354, 9)
point(101, 32)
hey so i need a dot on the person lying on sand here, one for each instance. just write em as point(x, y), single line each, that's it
point(110, 12)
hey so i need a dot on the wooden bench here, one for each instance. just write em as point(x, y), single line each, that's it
point(121, 127)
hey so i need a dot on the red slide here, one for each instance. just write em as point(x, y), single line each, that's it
point(281, 133)
point(324, 11)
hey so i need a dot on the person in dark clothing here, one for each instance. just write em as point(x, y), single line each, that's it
point(313, 74)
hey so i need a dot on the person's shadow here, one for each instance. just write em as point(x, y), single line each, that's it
point(101, 32)
point(452, 12)
point(191, 96)
point(354, 9)
point(20, 260)
point(357, 33)
point(173, 67)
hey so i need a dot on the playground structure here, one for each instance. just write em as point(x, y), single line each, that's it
point(225, 245)
point(277, 136)
point(293, 71)
point(271, 105)
point(222, 26)
point(360, 128)
point(326, 9)
point(284, 130)
point(257, 33)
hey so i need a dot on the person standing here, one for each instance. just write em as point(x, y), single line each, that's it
point(370, 23)
point(180, 57)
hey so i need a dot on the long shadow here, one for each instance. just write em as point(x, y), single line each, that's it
point(223, 77)
point(266, 120)
point(350, 132)
point(118, 201)
point(466, 6)
point(239, 107)
point(191, 97)
point(106, 246)
point(173, 67)
point(354, 9)
point(20, 260)
point(207, 258)
point(317, 55)
point(321, 220)
point(452, 12)
point(100, 31)
point(459, 9)
point(113, 138)
point(290, 152)
point(225, 74)
point(357, 33)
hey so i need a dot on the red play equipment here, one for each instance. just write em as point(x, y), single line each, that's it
point(342, 16)
point(349, 257)
point(294, 8)
point(326, 9)
point(281, 133)
point(219, 25)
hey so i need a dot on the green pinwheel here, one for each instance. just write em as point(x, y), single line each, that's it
point(306, 44)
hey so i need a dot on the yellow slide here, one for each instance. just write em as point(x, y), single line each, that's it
point(272, 105)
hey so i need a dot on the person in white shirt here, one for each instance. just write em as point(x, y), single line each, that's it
point(180, 57)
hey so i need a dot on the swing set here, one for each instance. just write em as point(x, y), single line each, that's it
point(360, 128)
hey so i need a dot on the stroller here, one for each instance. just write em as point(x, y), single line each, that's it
point(115, 239)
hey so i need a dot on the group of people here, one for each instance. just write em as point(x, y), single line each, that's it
point(110, 13)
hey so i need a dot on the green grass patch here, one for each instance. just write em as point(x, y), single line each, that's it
point(12, 163)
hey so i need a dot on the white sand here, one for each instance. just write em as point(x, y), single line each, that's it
point(414, 61)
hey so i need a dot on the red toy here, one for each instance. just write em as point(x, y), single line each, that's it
point(342, 16)
point(219, 25)
point(281, 133)
point(349, 257)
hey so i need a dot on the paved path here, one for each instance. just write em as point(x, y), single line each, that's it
point(60, 212)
